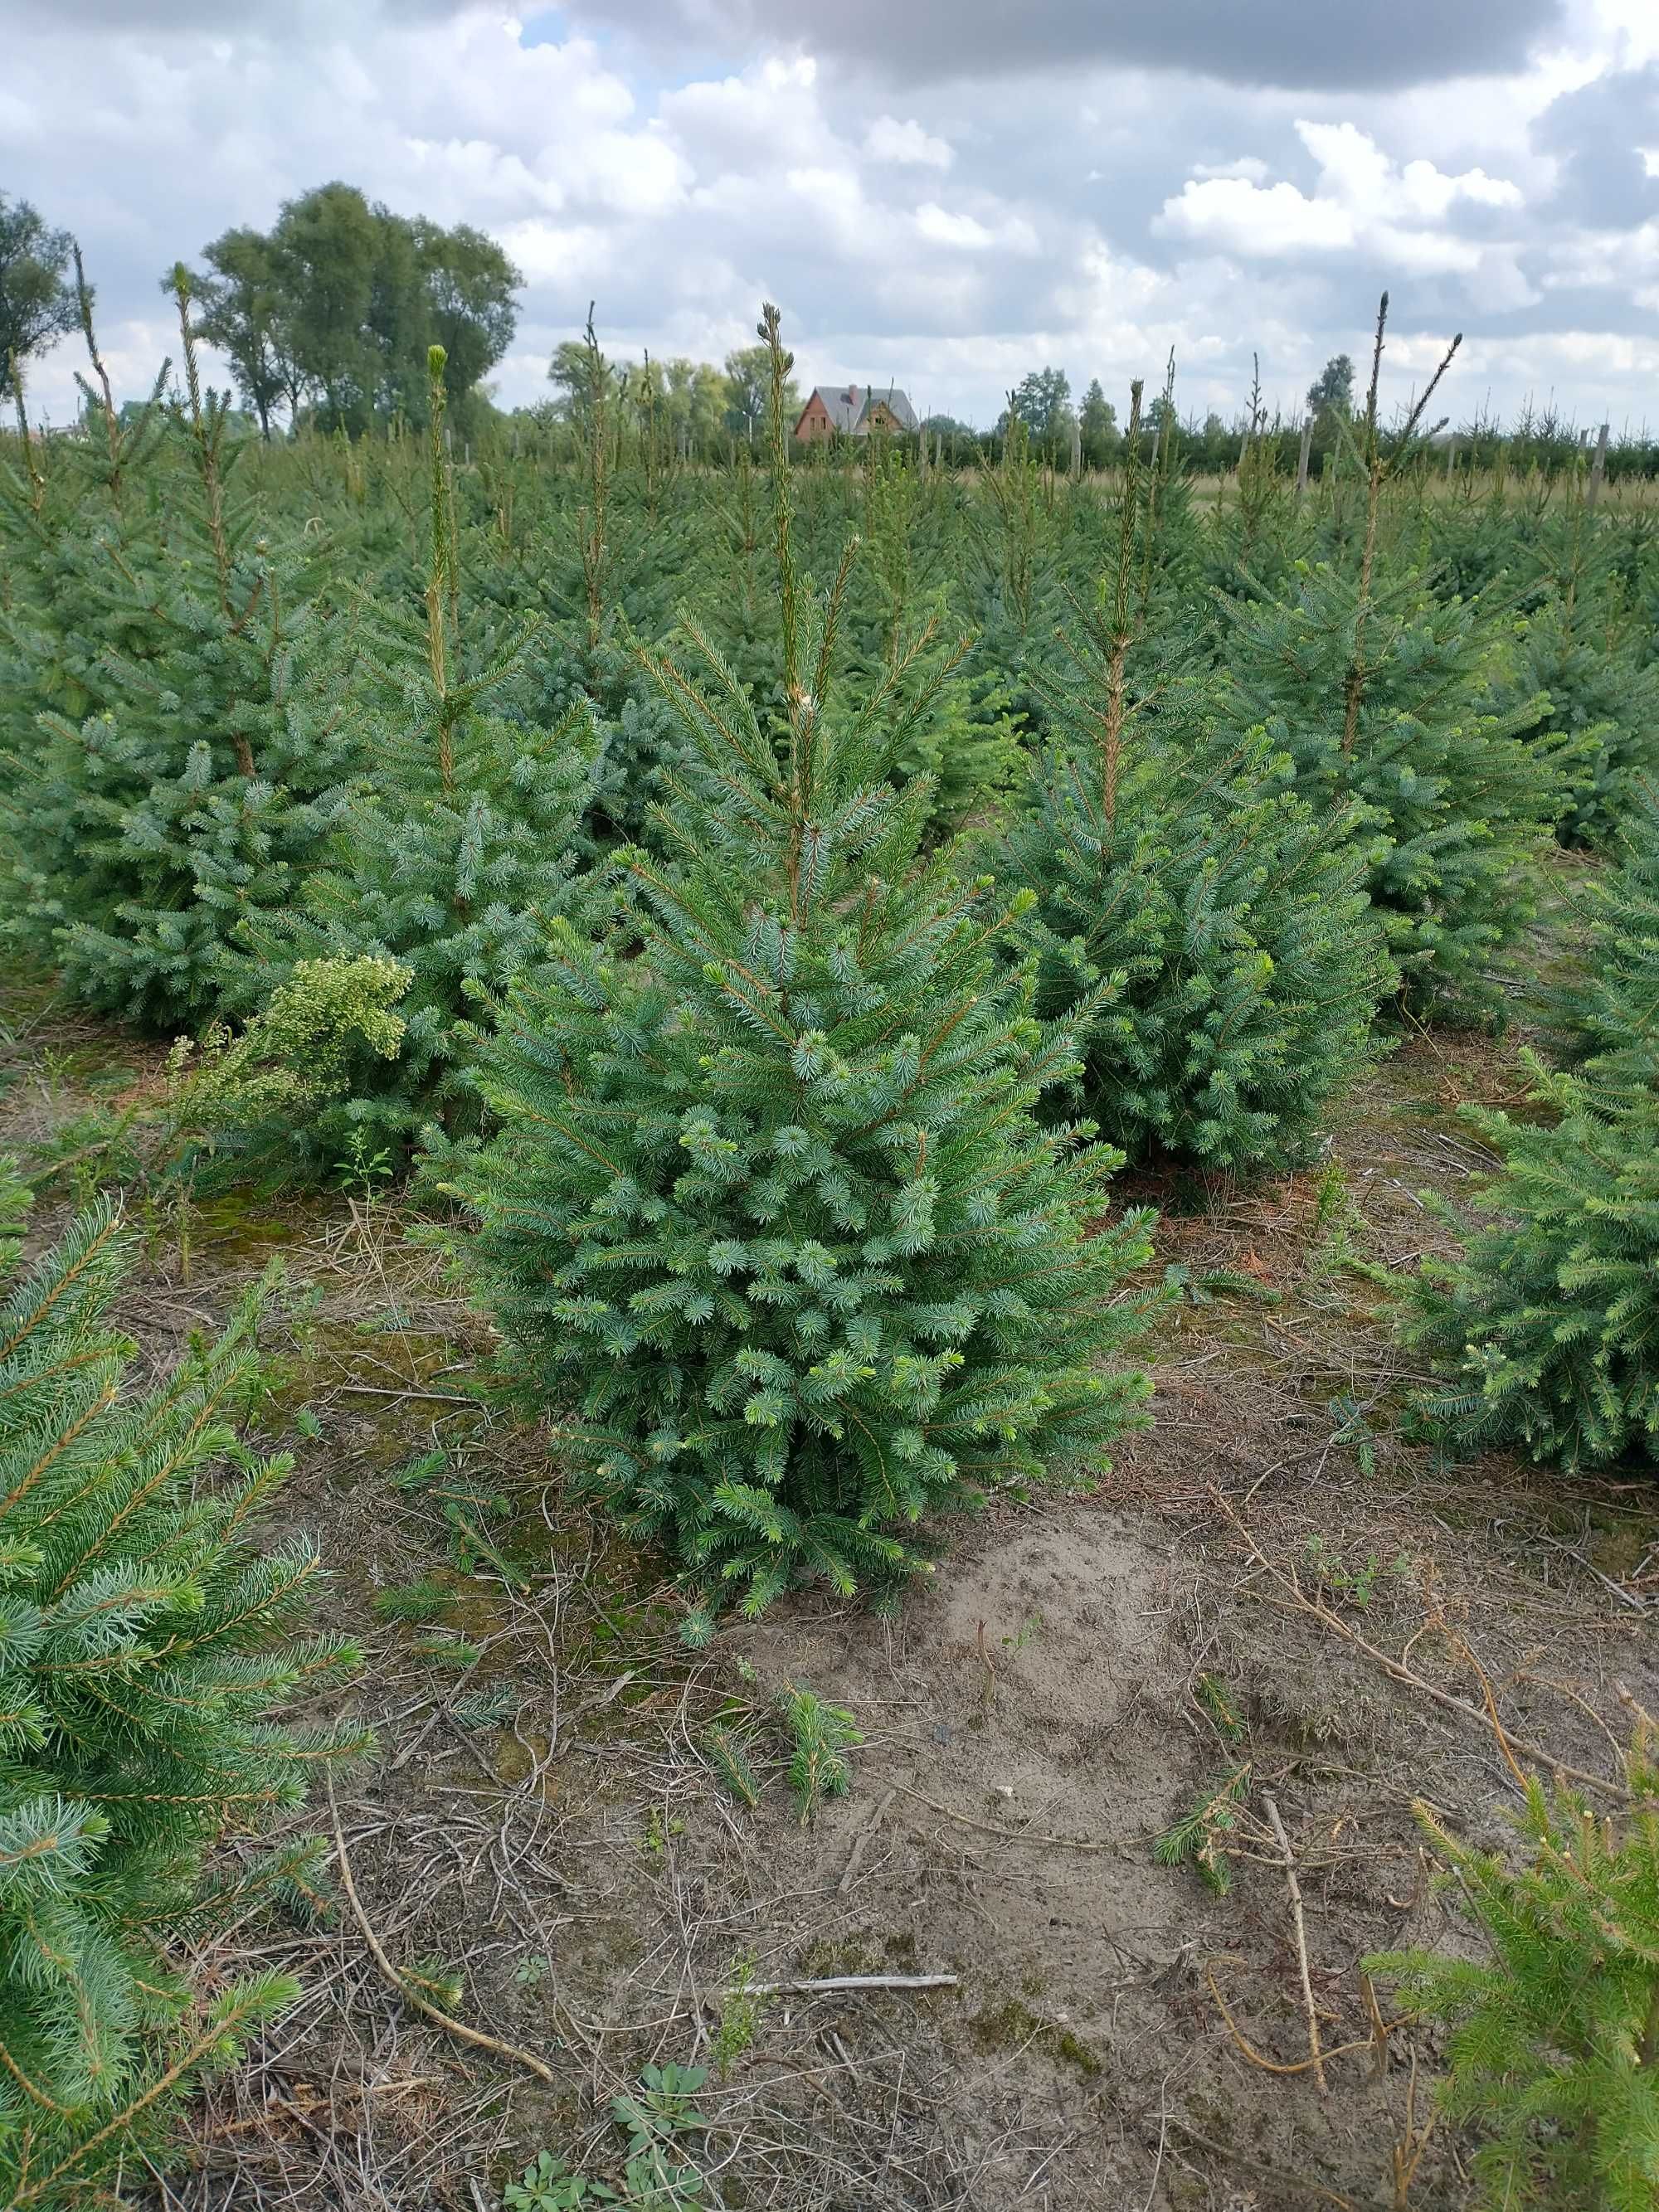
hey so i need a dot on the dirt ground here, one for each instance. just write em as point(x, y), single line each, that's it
point(1274, 1621)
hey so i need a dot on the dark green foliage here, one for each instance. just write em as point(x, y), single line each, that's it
point(457, 853)
point(1552, 2050)
point(1214, 941)
point(1598, 691)
point(1375, 688)
point(337, 303)
point(954, 720)
point(1550, 1319)
point(147, 1653)
point(180, 791)
point(1612, 1009)
point(1456, 801)
point(1202, 926)
point(768, 1197)
point(1583, 644)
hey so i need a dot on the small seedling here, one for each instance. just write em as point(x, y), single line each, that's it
point(547, 2184)
point(729, 1754)
point(1196, 1838)
point(658, 1829)
point(418, 1602)
point(820, 1735)
point(363, 1174)
point(449, 1651)
point(1353, 1585)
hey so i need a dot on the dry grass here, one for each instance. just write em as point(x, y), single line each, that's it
point(545, 1817)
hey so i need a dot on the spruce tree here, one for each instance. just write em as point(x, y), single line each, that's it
point(459, 851)
point(1611, 1009)
point(1552, 2036)
point(959, 726)
point(1580, 646)
point(148, 1654)
point(1375, 689)
point(768, 1200)
point(180, 793)
point(1549, 1323)
point(1206, 932)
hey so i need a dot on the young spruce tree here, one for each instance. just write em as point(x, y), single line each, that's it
point(1375, 690)
point(146, 1656)
point(1549, 1323)
point(1611, 1009)
point(1553, 2035)
point(768, 1199)
point(179, 793)
point(1580, 646)
point(462, 846)
point(1206, 931)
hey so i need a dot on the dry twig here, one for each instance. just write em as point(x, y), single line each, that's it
point(455, 2027)
point(1299, 1922)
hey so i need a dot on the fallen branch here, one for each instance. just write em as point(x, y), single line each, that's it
point(1315, 2058)
point(1260, 2058)
point(1296, 2183)
point(836, 1982)
point(426, 1397)
point(455, 2027)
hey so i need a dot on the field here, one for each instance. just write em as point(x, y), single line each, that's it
point(1137, 1756)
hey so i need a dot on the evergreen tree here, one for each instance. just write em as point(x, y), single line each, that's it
point(147, 1653)
point(1612, 1010)
point(1455, 802)
point(1548, 1321)
point(1097, 423)
point(1204, 932)
point(458, 852)
point(768, 1197)
point(952, 719)
point(186, 793)
point(1581, 648)
point(1377, 691)
point(1553, 2044)
point(1333, 388)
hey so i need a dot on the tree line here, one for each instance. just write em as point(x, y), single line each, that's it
point(327, 319)
point(327, 316)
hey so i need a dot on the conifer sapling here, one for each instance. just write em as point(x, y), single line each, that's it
point(768, 1199)
point(147, 1655)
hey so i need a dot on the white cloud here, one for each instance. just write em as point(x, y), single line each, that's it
point(1237, 215)
point(953, 237)
point(1250, 167)
point(906, 144)
point(1364, 202)
point(1009, 234)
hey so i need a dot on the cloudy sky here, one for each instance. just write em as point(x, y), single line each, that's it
point(945, 192)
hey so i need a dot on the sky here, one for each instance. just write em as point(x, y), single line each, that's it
point(941, 194)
